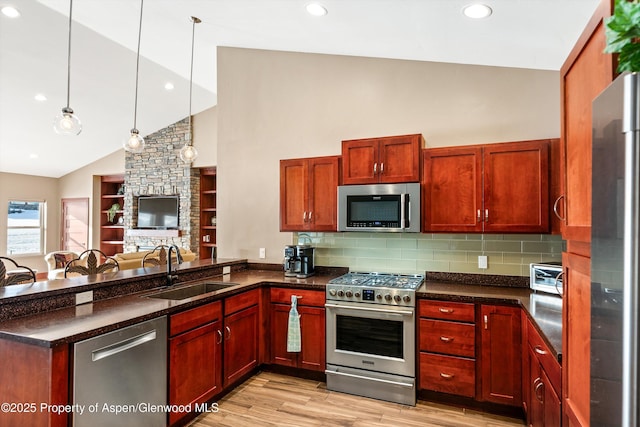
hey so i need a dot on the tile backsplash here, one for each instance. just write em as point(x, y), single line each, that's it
point(415, 253)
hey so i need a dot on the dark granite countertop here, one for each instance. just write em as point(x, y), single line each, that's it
point(76, 323)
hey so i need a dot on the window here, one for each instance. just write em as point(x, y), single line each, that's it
point(25, 228)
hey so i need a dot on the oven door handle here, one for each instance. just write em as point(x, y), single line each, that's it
point(361, 377)
point(376, 310)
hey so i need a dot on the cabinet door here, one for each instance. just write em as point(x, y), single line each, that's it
point(576, 339)
point(312, 331)
point(516, 181)
point(501, 355)
point(195, 367)
point(452, 189)
point(279, 326)
point(360, 161)
point(241, 344)
point(399, 158)
point(535, 404)
point(293, 194)
point(324, 175)
point(552, 409)
point(585, 74)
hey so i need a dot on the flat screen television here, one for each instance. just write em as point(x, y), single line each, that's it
point(160, 212)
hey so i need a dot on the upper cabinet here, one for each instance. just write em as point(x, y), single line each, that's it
point(382, 160)
point(586, 72)
point(491, 188)
point(308, 194)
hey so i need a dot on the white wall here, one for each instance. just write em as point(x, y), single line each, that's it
point(279, 105)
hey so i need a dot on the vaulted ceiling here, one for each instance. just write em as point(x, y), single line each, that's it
point(534, 34)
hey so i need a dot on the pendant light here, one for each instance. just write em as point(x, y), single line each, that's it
point(67, 123)
point(188, 153)
point(135, 143)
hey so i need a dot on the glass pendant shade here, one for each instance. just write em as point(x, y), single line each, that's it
point(135, 143)
point(67, 123)
point(188, 153)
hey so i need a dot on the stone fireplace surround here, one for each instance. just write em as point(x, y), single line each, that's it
point(158, 170)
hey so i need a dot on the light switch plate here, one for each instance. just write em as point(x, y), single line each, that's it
point(482, 262)
point(263, 253)
point(84, 297)
point(226, 270)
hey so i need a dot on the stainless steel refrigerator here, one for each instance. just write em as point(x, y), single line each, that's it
point(615, 248)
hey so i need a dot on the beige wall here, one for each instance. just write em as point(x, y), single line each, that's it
point(30, 188)
point(278, 105)
point(205, 137)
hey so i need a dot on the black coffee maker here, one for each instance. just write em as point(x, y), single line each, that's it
point(299, 261)
point(305, 254)
point(291, 261)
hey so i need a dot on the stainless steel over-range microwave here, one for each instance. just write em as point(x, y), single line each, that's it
point(379, 207)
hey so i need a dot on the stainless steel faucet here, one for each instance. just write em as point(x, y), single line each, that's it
point(171, 277)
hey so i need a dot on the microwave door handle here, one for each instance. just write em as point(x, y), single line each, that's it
point(405, 211)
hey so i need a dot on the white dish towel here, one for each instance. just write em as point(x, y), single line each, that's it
point(293, 331)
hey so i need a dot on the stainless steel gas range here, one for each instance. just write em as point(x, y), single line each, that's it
point(371, 335)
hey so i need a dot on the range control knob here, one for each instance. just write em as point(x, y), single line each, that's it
point(387, 297)
point(340, 293)
point(378, 296)
point(396, 298)
point(406, 298)
point(349, 294)
point(356, 294)
point(332, 292)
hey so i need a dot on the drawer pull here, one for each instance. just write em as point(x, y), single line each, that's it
point(446, 339)
point(446, 310)
point(539, 350)
point(446, 376)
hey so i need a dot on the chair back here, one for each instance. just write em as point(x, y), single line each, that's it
point(90, 262)
point(155, 257)
point(15, 274)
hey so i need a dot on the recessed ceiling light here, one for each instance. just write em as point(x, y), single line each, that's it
point(33, 156)
point(10, 11)
point(316, 9)
point(40, 97)
point(168, 86)
point(477, 11)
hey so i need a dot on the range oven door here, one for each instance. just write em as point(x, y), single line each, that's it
point(372, 337)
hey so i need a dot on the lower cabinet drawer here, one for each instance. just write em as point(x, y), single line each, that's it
point(448, 374)
point(451, 338)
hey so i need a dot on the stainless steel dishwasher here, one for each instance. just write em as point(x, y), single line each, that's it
point(119, 377)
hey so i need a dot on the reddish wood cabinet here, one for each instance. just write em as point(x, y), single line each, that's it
point(382, 160)
point(195, 357)
point(501, 355)
point(490, 188)
point(447, 347)
point(312, 328)
point(543, 382)
point(241, 335)
point(308, 194)
point(111, 232)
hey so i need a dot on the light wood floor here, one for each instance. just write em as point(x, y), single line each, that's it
point(270, 399)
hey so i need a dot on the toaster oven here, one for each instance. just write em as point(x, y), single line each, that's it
point(546, 277)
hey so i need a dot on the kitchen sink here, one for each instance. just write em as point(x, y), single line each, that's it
point(191, 290)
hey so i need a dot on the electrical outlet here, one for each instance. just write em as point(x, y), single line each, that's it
point(482, 262)
point(263, 253)
point(226, 270)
